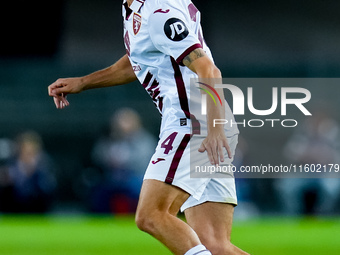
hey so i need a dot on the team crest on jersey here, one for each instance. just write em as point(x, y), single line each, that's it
point(137, 23)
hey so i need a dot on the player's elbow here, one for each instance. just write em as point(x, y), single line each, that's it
point(210, 71)
point(216, 72)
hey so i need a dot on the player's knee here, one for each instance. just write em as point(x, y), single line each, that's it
point(146, 221)
point(143, 222)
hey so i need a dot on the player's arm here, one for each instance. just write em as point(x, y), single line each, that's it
point(201, 64)
point(118, 74)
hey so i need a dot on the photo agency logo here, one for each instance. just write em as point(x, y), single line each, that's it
point(204, 96)
point(295, 97)
point(284, 114)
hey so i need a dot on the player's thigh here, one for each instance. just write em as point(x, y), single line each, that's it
point(211, 221)
point(157, 196)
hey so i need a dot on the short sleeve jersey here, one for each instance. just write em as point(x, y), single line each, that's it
point(158, 34)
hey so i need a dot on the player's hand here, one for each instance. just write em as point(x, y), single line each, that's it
point(214, 144)
point(61, 88)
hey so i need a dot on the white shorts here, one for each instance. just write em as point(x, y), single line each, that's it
point(171, 164)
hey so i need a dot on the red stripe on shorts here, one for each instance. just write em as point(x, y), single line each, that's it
point(177, 158)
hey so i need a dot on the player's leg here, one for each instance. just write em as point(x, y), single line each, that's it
point(158, 206)
point(213, 222)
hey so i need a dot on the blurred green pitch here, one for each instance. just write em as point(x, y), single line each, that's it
point(37, 235)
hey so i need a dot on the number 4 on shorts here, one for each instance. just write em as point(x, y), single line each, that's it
point(167, 144)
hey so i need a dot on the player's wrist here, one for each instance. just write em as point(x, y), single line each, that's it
point(216, 131)
point(84, 83)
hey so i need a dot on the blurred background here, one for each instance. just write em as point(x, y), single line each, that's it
point(69, 166)
point(77, 160)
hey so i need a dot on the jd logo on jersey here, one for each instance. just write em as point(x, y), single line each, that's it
point(175, 29)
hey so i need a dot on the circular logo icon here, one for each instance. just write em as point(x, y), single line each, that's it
point(175, 29)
